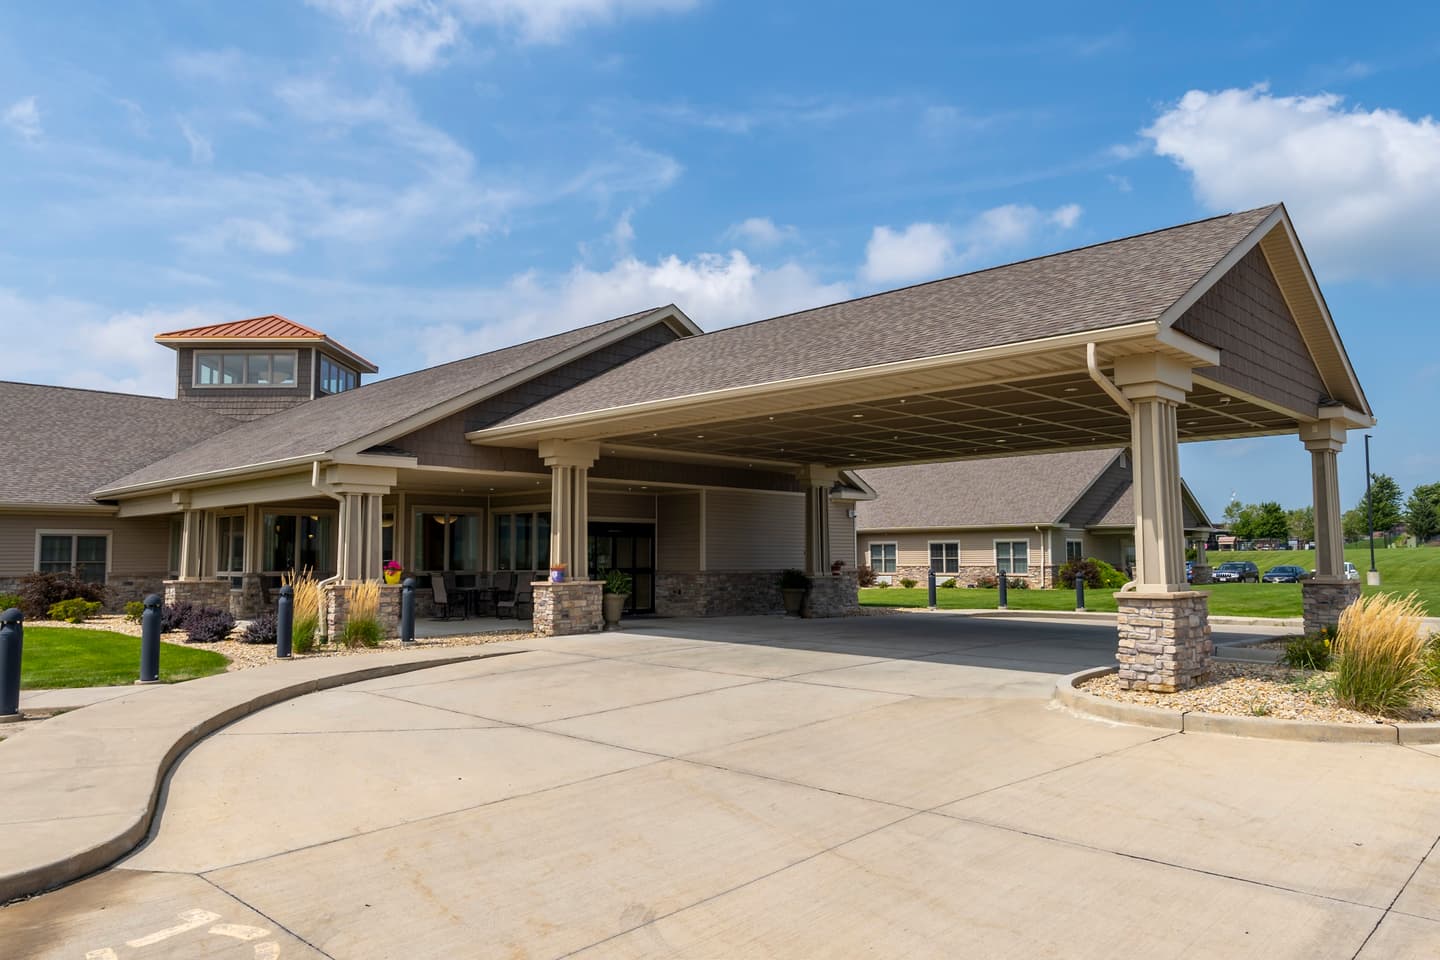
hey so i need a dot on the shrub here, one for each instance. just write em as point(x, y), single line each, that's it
point(908, 582)
point(73, 610)
point(1097, 574)
point(174, 615)
point(948, 584)
point(1313, 652)
point(1018, 583)
point(260, 630)
point(9, 600)
point(135, 611)
point(362, 623)
point(208, 625)
point(865, 575)
point(1379, 654)
point(987, 581)
point(882, 584)
point(41, 591)
point(619, 582)
point(306, 609)
point(793, 579)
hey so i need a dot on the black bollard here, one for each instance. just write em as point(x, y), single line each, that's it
point(12, 643)
point(150, 641)
point(1004, 591)
point(932, 589)
point(284, 622)
point(1079, 593)
point(407, 610)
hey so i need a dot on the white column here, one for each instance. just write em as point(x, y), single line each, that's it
point(374, 517)
point(1155, 385)
point(192, 544)
point(569, 462)
point(818, 480)
point(1324, 439)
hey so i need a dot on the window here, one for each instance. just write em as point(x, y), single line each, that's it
point(522, 541)
point(335, 378)
point(1074, 550)
point(1012, 556)
point(177, 527)
point(447, 541)
point(229, 546)
point(232, 368)
point(882, 557)
point(945, 557)
point(84, 554)
point(299, 542)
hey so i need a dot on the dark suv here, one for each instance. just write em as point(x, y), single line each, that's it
point(1236, 571)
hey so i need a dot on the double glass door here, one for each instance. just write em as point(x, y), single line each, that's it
point(629, 547)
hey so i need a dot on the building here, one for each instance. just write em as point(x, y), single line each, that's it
point(734, 449)
point(1025, 516)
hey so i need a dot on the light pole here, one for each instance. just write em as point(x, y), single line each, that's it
point(1373, 577)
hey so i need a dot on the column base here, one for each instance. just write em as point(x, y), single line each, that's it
point(1164, 640)
point(201, 593)
point(1201, 573)
point(1325, 600)
point(566, 608)
point(833, 595)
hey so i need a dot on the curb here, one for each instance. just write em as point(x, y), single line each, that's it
point(1264, 728)
point(63, 863)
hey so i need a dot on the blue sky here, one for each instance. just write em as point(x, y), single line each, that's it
point(427, 179)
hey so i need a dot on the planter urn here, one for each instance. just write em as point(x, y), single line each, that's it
point(612, 606)
point(794, 601)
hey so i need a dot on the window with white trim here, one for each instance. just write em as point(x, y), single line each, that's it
point(882, 557)
point(1012, 556)
point(335, 377)
point(85, 555)
point(945, 556)
point(1074, 550)
point(229, 545)
point(238, 368)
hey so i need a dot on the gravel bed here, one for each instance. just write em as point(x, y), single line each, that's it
point(1244, 689)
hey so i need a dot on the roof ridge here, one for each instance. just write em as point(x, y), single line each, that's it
point(998, 266)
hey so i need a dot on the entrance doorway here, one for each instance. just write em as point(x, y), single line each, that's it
point(629, 547)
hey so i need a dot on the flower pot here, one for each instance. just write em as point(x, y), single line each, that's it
point(612, 606)
point(794, 601)
point(393, 576)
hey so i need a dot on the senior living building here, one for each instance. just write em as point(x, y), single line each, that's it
point(703, 463)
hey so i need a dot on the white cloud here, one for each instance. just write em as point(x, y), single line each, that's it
point(926, 250)
point(241, 233)
point(760, 232)
point(23, 117)
point(201, 149)
point(1362, 185)
point(417, 34)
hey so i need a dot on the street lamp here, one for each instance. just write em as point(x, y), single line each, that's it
point(1373, 577)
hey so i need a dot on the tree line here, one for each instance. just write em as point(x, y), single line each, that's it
point(1420, 513)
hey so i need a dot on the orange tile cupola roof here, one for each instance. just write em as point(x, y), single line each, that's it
point(267, 329)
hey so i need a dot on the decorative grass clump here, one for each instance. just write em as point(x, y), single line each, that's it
point(1380, 658)
point(362, 624)
point(305, 609)
point(1312, 652)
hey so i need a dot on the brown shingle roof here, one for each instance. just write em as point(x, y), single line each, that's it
point(316, 427)
point(1008, 491)
point(1093, 288)
point(61, 443)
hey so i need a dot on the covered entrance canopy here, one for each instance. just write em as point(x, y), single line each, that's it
point(1210, 330)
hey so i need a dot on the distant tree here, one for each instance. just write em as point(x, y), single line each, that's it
point(1353, 522)
point(1243, 519)
point(1422, 511)
point(1301, 524)
point(1386, 495)
point(1271, 523)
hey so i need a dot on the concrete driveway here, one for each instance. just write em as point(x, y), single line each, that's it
point(882, 787)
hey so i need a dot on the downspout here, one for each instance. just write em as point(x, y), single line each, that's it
point(1109, 387)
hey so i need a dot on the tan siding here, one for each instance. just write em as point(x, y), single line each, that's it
point(842, 533)
point(677, 533)
point(754, 531)
point(622, 506)
point(140, 545)
point(977, 548)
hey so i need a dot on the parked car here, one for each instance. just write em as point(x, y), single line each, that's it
point(1236, 571)
point(1350, 572)
point(1284, 573)
point(1189, 571)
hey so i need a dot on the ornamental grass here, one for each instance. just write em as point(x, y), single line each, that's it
point(362, 623)
point(1380, 658)
point(305, 610)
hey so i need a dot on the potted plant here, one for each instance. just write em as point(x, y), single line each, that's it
point(618, 585)
point(793, 584)
point(393, 570)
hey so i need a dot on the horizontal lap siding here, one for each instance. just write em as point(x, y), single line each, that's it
point(842, 532)
point(136, 545)
point(622, 506)
point(977, 549)
point(677, 533)
point(754, 531)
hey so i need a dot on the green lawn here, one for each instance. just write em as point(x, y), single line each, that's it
point(66, 657)
point(1401, 571)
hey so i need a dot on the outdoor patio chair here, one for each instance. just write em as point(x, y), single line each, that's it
point(485, 594)
point(524, 600)
point(444, 600)
point(505, 582)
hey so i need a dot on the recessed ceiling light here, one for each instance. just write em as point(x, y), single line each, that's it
point(1072, 389)
point(856, 416)
point(1000, 441)
point(699, 436)
point(772, 418)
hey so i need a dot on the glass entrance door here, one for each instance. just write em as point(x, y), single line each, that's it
point(629, 547)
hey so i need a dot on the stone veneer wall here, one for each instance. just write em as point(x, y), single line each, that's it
point(1325, 600)
point(337, 608)
point(718, 593)
point(202, 593)
point(570, 607)
point(1201, 573)
point(1165, 641)
point(966, 576)
point(837, 595)
point(248, 602)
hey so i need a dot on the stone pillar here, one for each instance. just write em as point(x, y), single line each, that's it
point(201, 593)
point(568, 608)
point(1200, 571)
point(1328, 593)
point(1163, 626)
point(569, 462)
point(818, 480)
point(833, 595)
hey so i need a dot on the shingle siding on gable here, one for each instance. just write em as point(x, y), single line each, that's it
point(1245, 315)
point(244, 403)
point(1095, 502)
